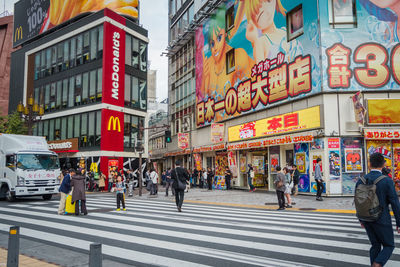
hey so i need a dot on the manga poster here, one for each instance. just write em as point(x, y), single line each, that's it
point(258, 165)
point(382, 146)
point(353, 160)
point(396, 164)
point(242, 162)
point(221, 162)
point(274, 158)
point(334, 165)
point(303, 150)
point(232, 162)
point(300, 160)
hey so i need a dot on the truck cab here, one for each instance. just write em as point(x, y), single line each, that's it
point(27, 167)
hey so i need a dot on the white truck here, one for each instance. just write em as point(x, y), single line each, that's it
point(27, 167)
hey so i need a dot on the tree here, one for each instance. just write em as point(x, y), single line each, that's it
point(13, 124)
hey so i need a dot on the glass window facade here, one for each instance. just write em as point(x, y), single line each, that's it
point(77, 50)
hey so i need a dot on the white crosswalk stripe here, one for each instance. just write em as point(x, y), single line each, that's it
point(152, 232)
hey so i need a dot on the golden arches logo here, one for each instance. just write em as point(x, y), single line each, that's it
point(114, 122)
point(18, 34)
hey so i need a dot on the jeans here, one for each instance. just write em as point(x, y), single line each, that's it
point(153, 189)
point(169, 184)
point(110, 185)
point(83, 207)
point(320, 188)
point(281, 199)
point(228, 183)
point(120, 198)
point(380, 236)
point(179, 195)
point(250, 182)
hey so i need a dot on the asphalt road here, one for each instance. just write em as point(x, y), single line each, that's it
point(152, 233)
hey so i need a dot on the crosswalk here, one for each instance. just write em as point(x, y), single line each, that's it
point(152, 233)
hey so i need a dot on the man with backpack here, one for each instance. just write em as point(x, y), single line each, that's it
point(374, 192)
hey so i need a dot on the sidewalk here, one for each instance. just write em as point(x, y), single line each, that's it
point(258, 199)
point(24, 260)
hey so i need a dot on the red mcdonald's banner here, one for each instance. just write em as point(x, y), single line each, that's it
point(113, 65)
point(112, 130)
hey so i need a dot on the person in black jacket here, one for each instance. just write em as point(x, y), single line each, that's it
point(210, 176)
point(296, 179)
point(181, 174)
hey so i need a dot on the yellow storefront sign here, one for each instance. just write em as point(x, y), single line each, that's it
point(301, 120)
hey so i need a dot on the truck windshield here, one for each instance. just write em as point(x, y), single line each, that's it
point(37, 162)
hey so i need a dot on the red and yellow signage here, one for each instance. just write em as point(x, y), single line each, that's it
point(209, 148)
point(375, 67)
point(183, 140)
point(283, 140)
point(383, 111)
point(113, 65)
point(112, 130)
point(290, 122)
point(382, 134)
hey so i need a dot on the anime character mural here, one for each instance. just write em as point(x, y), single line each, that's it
point(216, 78)
point(249, 64)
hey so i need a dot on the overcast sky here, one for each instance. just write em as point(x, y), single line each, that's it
point(154, 18)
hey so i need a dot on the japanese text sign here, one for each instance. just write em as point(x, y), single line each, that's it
point(382, 134)
point(183, 140)
point(290, 122)
point(333, 142)
point(217, 132)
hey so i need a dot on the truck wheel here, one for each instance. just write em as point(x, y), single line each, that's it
point(47, 197)
point(9, 196)
point(3, 191)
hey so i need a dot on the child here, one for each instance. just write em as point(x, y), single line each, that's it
point(120, 187)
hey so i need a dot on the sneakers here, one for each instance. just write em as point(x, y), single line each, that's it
point(289, 206)
point(118, 209)
point(319, 199)
point(281, 209)
point(254, 189)
point(124, 209)
point(179, 209)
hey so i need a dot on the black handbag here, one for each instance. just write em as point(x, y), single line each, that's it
point(181, 185)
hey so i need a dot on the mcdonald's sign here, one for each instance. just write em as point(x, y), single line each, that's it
point(18, 34)
point(113, 123)
point(112, 130)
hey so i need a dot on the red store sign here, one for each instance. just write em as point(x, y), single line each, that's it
point(382, 134)
point(113, 65)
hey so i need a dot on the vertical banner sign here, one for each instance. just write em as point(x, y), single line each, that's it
point(113, 65)
point(197, 161)
point(359, 110)
point(112, 130)
point(183, 140)
point(217, 132)
point(232, 162)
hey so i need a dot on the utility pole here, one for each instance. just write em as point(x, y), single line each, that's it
point(140, 173)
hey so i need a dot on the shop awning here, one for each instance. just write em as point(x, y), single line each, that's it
point(177, 153)
point(306, 137)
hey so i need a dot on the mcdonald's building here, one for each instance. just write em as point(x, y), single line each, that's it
point(90, 76)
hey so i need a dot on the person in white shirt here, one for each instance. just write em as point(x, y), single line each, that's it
point(154, 179)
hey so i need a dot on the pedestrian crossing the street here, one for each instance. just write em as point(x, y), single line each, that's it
point(152, 232)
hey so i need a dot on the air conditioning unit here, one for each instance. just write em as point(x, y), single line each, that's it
point(352, 126)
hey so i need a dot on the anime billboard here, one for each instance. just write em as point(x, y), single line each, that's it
point(248, 60)
point(360, 44)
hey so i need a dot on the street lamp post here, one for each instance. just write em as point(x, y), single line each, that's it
point(190, 141)
point(32, 112)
